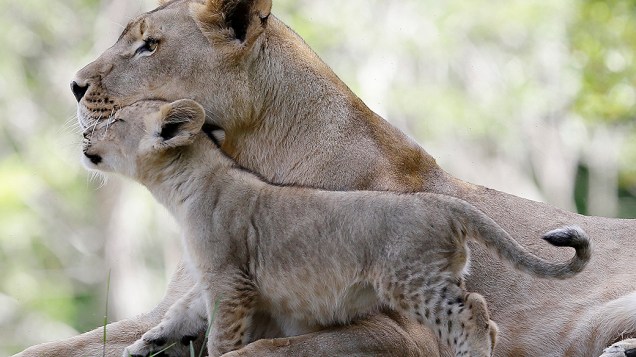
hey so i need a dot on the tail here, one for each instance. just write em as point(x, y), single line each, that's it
point(485, 230)
point(575, 237)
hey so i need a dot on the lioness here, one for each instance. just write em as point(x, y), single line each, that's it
point(287, 116)
point(311, 258)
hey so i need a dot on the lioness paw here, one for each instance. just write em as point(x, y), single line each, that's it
point(625, 348)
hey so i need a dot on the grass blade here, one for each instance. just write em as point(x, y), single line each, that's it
point(106, 313)
point(163, 350)
point(207, 332)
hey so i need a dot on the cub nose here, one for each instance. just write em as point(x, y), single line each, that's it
point(78, 90)
point(95, 159)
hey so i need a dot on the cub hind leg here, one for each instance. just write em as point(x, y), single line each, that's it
point(463, 322)
point(459, 319)
point(481, 330)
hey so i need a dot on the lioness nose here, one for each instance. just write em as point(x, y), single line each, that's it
point(78, 90)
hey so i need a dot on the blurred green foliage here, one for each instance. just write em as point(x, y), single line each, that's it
point(603, 38)
point(532, 97)
point(45, 201)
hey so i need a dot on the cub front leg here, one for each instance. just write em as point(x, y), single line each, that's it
point(184, 322)
point(231, 307)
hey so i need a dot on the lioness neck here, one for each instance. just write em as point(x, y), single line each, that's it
point(316, 128)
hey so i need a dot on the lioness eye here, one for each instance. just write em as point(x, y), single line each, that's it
point(149, 46)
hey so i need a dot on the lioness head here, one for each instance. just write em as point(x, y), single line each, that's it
point(182, 49)
point(285, 114)
point(142, 135)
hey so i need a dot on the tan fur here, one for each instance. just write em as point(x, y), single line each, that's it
point(309, 258)
point(288, 117)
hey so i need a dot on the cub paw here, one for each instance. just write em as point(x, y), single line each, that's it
point(156, 344)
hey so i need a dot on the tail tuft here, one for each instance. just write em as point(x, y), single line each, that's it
point(575, 237)
point(570, 236)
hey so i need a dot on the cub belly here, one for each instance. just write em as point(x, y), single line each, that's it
point(302, 303)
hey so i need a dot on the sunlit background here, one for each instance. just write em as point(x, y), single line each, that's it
point(532, 97)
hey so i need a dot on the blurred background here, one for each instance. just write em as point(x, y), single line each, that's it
point(532, 97)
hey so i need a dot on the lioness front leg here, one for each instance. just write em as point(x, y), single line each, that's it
point(118, 334)
point(385, 334)
point(184, 322)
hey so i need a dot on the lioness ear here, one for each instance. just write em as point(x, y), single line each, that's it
point(245, 18)
point(177, 123)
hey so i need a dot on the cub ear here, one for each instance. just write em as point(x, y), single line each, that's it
point(245, 18)
point(177, 123)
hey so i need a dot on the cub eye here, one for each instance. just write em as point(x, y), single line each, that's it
point(148, 47)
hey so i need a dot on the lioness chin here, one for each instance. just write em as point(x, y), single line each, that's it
point(287, 116)
point(309, 258)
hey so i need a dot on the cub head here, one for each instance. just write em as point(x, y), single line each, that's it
point(183, 49)
point(142, 136)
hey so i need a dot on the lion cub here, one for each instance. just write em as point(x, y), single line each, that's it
point(308, 257)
